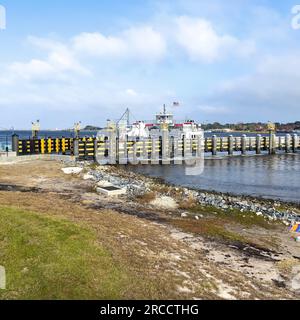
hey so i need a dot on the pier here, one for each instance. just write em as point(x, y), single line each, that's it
point(111, 149)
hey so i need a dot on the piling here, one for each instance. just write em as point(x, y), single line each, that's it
point(156, 145)
point(280, 143)
point(295, 143)
point(214, 145)
point(178, 151)
point(272, 143)
point(287, 143)
point(15, 143)
point(188, 150)
point(113, 148)
point(134, 152)
point(145, 151)
point(244, 144)
point(230, 145)
point(250, 144)
point(165, 145)
point(258, 144)
point(200, 151)
point(75, 146)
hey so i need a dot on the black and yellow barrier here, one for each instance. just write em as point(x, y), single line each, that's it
point(111, 150)
point(86, 149)
point(62, 146)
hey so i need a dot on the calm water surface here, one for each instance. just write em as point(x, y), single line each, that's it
point(274, 177)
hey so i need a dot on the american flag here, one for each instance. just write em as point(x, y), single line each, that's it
point(176, 104)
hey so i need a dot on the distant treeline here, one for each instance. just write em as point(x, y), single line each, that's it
point(91, 128)
point(252, 126)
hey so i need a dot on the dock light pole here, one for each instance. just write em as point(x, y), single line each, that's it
point(35, 129)
point(77, 128)
point(272, 129)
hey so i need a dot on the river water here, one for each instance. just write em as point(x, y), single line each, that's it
point(272, 177)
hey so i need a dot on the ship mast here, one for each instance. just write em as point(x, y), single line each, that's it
point(126, 117)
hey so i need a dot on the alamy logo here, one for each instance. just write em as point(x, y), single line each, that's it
point(2, 18)
point(2, 278)
point(296, 18)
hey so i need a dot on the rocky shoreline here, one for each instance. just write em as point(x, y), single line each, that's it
point(138, 184)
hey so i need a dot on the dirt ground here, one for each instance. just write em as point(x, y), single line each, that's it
point(169, 257)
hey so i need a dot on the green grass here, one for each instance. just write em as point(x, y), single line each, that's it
point(208, 228)
point(215, 224)
point(51, 258)
point(247, 219)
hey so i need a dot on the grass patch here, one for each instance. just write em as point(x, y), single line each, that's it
point(208, 228)
point(286, 266)
point(51, 258)
point(246, 219)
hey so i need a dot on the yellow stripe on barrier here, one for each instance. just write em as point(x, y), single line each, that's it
point(42, 146)
point(63, 145)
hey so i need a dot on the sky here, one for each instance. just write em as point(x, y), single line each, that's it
point(64, 61)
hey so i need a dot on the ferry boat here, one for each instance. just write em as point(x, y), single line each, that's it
point(165, 121)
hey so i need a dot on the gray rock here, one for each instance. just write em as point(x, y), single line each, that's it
point(184, 215)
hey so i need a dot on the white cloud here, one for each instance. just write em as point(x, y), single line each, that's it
point(30, 70)
point(96, 44)
point(131, 92)
point(58, 64)
point(207, 109)
point(143, 43)
point(202, 43)
point(271, 92)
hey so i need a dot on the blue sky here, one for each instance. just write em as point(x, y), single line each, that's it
point(227, 61)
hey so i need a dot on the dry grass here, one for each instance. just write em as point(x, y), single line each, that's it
point(286, 266)
point(188, 204)
point(146, 198)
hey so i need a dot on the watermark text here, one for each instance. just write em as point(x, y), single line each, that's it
point(2, 18)
point(296, 17)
